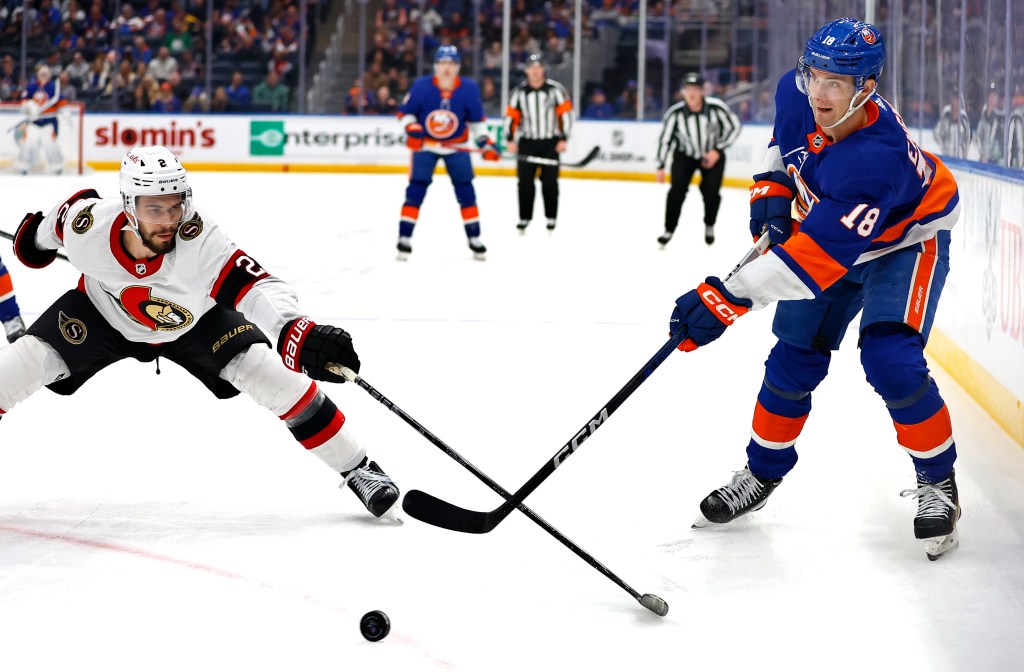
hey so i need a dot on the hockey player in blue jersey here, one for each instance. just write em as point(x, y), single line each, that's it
point(874, 214)
point(38, 132)
point(440, 112)
point(10, 314)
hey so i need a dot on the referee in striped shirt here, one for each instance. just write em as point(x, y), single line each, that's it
point(696, 130)
point(538, 121)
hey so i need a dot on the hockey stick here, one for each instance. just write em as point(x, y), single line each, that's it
point(526, 158)
point(652, 602)
point(433, 511)
point(540, 160)
point(10, 236)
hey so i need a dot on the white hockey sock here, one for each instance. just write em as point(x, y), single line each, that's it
point(25, 366)
point(311, 416)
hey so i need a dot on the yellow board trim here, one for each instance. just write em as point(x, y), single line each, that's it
point(993, 396)
point(372, 169)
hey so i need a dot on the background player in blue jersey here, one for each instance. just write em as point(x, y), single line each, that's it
point(874, 216)
point(10, 314)
point(38, 132)
point(442, 111)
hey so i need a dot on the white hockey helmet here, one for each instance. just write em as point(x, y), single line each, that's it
point(152, 171)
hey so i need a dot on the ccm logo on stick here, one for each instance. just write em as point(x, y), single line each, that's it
point(584, 434)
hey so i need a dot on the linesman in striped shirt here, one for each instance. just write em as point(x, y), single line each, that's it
point(538, 122)
point(696, 132)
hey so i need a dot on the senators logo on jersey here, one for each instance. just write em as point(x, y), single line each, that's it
point(73, 330)
point(441, 124)
point(152, 311)
point(191, 229)
point(83, 220)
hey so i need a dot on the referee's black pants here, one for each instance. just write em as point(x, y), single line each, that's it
point(683, 168)
point(548, 178)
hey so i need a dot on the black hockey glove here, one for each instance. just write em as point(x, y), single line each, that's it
point(308, 347)
point(25, 243)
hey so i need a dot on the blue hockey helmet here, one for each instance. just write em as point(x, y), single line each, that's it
point(846, 47)
point(447, 52)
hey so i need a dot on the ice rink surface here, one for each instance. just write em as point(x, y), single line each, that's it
point(146, 526)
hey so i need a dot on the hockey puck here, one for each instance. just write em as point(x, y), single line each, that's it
point(375, 626)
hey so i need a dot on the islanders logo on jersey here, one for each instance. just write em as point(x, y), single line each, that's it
point(441, 124)
point(152, 311)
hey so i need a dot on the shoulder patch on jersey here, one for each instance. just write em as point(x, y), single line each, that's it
point(84, 220)
point(62, 212)
point(191, 229)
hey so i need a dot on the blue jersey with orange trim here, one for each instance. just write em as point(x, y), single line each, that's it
point(872, 193)
point(445, 114)
point(47, 95)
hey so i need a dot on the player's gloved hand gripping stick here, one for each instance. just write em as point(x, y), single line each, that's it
point(433, 511)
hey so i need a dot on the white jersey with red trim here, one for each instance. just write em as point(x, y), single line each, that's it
point(158, 300)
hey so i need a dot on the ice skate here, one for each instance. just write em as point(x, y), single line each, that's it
point(551, 225)
point(15, 328)
point(743, 494)
point(375, 489)
point(479, 250)
point(664, 238)
point(521, 226)
point(404, 248)
point(938, 509)
point(709, 234)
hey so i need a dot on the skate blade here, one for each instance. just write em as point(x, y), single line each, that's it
point(701, 522)
point(936, 547)
point(402, 256)
point(391, 517)
point(480, 256)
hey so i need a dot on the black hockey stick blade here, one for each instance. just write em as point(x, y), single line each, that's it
point(586, 159)
point(439, 513)
point(428, 509)
point(544, 161)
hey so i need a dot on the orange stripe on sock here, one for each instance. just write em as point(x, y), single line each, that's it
point(776, 428)
point(325, 434)
point(927, 435)
point(470, 212)
point(6, 286)
point(411, 212)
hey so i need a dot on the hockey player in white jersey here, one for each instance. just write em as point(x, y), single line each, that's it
point(160, 280)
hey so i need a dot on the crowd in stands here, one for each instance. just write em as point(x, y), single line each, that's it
point(538, 26)
point(151, 55)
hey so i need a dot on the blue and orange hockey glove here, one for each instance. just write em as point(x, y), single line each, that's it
point(414, 136)
point(770, 201)
point(490, 149)
point(705, 312)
